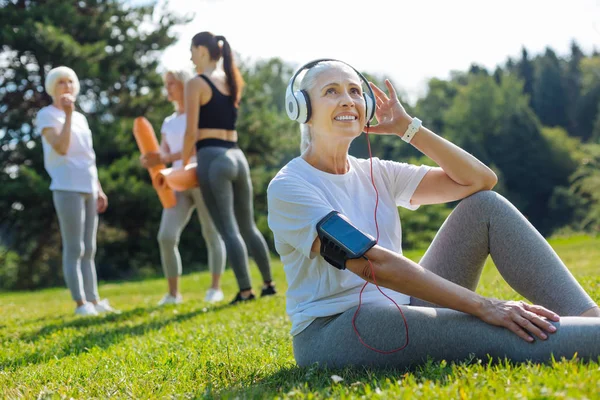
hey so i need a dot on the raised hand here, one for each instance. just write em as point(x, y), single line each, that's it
point(521, 318)
point(67, 101)
point(391, 116)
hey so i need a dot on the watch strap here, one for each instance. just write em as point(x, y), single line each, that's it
point(412, 130)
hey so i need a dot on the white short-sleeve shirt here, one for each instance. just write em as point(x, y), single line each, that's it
point(299, 196)
point(75, 171)
point(173, 128)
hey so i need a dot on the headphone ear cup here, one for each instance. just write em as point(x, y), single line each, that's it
point(369, 107)
point(304, 109)
point(291, 104)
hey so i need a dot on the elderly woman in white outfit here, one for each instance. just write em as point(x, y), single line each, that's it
point(78, 197)
point(174, 219)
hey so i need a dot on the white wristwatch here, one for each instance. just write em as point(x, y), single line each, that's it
point(412, 130)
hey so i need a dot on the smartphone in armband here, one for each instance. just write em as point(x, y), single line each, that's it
point(341, 241)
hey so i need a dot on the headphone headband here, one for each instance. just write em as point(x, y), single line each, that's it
point(298, 103)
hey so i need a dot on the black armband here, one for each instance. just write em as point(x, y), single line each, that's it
point(341, 241)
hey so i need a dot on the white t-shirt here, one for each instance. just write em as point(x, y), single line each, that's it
point(173, 128)
point(75, 171)
point(300, 195)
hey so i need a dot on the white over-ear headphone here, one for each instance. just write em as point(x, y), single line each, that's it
point(297, 103)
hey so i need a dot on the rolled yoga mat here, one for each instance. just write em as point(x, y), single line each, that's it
point(178, 179)
point(147, 143)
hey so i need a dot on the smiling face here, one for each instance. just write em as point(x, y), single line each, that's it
point(338, 105)
point(174, 88)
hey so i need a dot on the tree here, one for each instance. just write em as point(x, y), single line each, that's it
point(589, 100)
point(549, 98)
point(573, 86)
point(475, 69)
point(498, 73)
point(561, 157)
point(585, 182)
point(438, 99)
point(495, 123)
point(595, 136)
point(114, 49)
point(510, 65)
point(526, 73)
point(473, 115)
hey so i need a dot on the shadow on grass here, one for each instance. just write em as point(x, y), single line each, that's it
point(294, 380)
point(109, 318)
point(35, 321)
point(85, 322)
point(101, 338)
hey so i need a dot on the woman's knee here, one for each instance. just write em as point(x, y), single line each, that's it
point(484, 196)
point(250, 232)
point(233, 239)
point(89, 252)
point(215, 243)
point(485, 199)
point(166, 237)
point(73, 249)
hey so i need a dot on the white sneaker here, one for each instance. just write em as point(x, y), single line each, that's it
point(86, 309)
point(214, 295)
point(168, 299)
point(103, 307)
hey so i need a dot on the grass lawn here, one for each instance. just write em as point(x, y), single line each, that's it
point(197, 350)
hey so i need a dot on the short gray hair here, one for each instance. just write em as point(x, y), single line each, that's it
point(308, 82)
point(181, 75)
point(60, 72)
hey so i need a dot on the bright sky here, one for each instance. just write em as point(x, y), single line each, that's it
point(406, 41)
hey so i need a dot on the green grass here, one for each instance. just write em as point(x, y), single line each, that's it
point(197, 350)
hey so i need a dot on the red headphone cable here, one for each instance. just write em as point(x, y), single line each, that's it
point(373, 271)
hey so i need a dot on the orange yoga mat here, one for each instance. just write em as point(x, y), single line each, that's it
point(147, 143)
point(178, 179)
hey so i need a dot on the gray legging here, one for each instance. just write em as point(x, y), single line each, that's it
point(224, 178)
point(78, 220)
point(482, 224)
point(173, 221)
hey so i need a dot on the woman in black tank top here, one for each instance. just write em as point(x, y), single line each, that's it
point(219, 112)
point(223, 172)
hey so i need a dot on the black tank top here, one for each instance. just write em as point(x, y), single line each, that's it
point(219, 112)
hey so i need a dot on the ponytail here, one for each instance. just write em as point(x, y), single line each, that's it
point(235, 82)
point(234, 77)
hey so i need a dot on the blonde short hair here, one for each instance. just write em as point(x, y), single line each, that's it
point(60, 72)
point(181, 75)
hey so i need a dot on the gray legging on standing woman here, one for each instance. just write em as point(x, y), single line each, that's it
point(224, 178)
point(481, 225)
point(173, 221)
point(78, 220)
